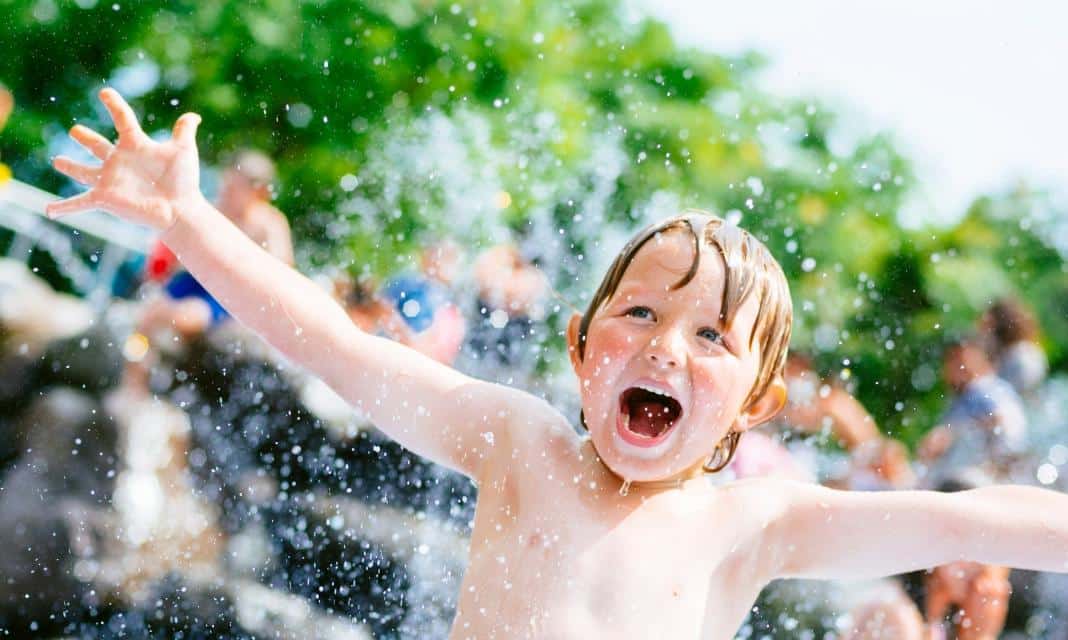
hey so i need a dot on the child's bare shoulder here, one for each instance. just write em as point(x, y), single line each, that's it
point(758, 501)
point(531, 429)
point(757, 488)
point(755, 507)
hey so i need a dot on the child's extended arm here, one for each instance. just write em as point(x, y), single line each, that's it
point(824, 533)
point(428, 407)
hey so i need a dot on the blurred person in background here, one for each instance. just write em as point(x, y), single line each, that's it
point(185, 309)
point(435, 325)
point(411, 309)
point(370, 310)
point(985, 429)
point(976, 443)
point(813, 406)
point(511, 290)
point(1009, 332)
point(887, 613)
point(976, 594)
point(245, 199)
point(973, 598)
point(881, 464)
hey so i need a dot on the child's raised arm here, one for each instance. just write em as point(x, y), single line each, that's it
point(428, 407)
point(824, 533)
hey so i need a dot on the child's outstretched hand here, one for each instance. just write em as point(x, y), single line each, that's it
point(141, 180)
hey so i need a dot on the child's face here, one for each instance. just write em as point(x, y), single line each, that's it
point(649, 337)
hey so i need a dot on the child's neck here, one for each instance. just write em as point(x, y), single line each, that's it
point(647, 487)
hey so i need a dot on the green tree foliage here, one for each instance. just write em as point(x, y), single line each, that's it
point(562, 125)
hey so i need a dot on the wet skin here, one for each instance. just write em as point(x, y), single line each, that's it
point(649, 333)
point(557, 552)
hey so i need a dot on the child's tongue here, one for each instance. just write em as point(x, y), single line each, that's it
point(648, 418)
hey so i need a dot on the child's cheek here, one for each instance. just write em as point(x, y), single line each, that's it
point(612, 345)
point(716, 385)
point(608, 354)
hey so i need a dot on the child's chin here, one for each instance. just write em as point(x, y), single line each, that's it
point(633, 463)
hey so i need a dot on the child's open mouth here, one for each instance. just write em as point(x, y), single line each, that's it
point(646, 416)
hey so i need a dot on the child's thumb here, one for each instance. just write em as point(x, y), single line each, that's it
point(185, 129)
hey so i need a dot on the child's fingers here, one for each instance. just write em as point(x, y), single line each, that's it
point(80, 202)
point(121, 114)
point(80, 172)
point(95, 143)
point(185, 130)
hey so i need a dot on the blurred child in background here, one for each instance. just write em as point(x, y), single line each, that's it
point(1009, 332)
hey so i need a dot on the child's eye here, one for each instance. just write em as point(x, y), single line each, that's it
point(645, 313)
point(709, 333)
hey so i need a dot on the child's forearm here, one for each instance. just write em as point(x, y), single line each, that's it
point(1017, 526)
point(288, 310)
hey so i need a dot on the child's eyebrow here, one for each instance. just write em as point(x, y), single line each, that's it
point(627, 290)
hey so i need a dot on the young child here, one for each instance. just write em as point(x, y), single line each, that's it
point(617, 535)
point(985, 429)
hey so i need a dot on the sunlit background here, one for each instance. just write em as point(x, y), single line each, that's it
point(969, 89)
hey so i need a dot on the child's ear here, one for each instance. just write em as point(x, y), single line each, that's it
point(573, 340)
point(765, 407)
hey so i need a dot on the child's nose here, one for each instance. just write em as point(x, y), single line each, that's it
point(662, 360)
point(662, 352)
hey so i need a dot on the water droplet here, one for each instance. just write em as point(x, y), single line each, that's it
point(1047, 474)
point(624, 488)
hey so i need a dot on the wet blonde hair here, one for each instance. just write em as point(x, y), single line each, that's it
point(750, 270)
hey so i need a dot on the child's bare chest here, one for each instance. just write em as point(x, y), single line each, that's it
point(556, 563)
